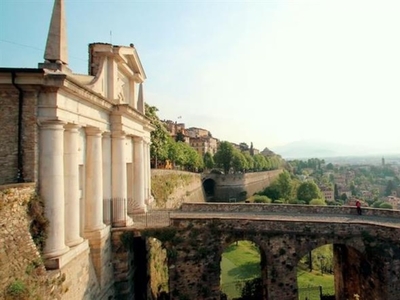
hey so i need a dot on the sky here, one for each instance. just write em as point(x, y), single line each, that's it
point(262, 72)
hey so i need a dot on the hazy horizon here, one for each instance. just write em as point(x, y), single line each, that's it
point(270, 73)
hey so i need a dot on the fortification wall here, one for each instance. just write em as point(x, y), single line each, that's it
point(171, 188)
point(239, 186)
point(21, 262)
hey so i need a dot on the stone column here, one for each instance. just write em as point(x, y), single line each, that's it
point(119, 189)
point(51, 181)
point(94, 181)
point(139, 176)
point(71, 180)
point(149, 197)
point(107, 195)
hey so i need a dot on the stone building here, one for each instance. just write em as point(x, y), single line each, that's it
point(84, 140)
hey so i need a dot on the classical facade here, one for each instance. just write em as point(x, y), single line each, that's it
point(83, 139)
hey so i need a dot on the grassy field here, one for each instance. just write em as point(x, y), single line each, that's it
point(241, 262)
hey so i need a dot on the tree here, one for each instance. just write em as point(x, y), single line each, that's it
point(208, 160)
point(307, 191)
point(179, 136)
point(224, 156)
point(243, 147)
point(159, 137)
point(284, 186)
point(239, 162)
point(336, 192)
point(250, 161)
point(389, 188)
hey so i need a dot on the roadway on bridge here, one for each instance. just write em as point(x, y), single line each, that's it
point(163, 218)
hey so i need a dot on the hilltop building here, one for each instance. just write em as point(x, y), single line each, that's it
point(84, 140)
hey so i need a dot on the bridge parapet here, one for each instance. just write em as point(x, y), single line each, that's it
point(286, 209)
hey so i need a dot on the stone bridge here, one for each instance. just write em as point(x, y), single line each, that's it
point(366, 248)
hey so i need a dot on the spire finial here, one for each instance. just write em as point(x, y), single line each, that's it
point(56, 46)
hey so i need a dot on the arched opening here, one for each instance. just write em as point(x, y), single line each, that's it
point(315, 274)
point(241, 271)
point(209, 189)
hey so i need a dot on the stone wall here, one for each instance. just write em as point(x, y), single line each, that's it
point(21, 261)
point(171, 188)
point(9, 103)
point(286, 209)
point(239, 186)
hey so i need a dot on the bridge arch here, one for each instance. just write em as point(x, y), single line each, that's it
point(234, 273)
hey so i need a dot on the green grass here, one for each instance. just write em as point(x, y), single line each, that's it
point(241, 262)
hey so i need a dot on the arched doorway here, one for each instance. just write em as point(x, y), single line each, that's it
point(209, 189)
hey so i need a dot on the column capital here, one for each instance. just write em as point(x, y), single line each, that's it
point(55, 124)
point(93, 131)
point(118, 134)
point(137, 139)
point(106, 134)
point(71, 127)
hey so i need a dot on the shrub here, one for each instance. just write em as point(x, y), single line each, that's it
point(261, 199)
point(17, 290)
point(317, 202)
point(386, 205)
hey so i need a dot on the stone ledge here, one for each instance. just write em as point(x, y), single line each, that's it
point(61, 261)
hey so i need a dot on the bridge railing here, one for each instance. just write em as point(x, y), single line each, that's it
point(119, 209)
point(293, 209)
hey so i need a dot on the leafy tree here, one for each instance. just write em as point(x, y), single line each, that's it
point(284, 186)
point(260, 163)
point(159, 137)
point(336, 192)
point(329, 166)
point(239, 162)
point(250, 161)
point(244, 147)
point(389, 188)
point(208, 160)
point(343, 197)
point(224, 156)
point(307, 191)
point(179, 136)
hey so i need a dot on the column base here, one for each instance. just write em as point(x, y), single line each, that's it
point(56, 253)
point(123, 223)
point(74, 242)
point(60, 261)
point(139, 210)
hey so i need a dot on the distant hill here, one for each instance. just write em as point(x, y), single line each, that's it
point(321, 149)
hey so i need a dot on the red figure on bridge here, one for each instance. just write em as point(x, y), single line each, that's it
point(358, 205)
